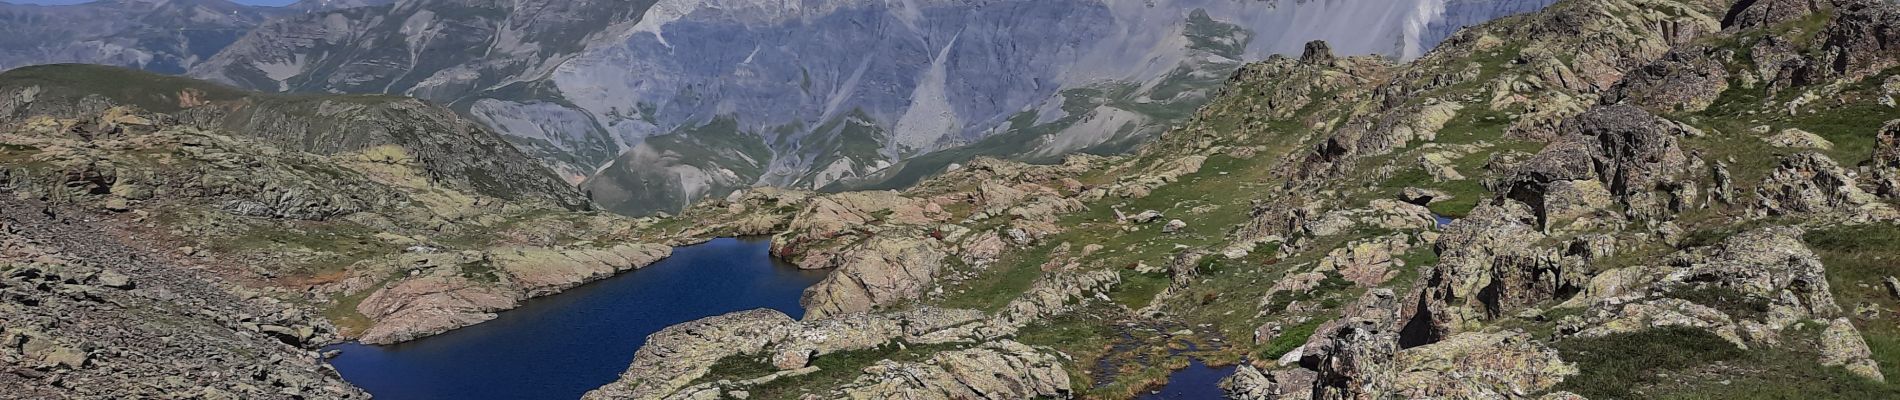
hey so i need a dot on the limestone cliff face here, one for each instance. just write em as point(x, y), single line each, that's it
point(657, 104)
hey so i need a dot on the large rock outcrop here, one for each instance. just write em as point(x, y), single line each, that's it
point(1633, 155)
point(1489, 264)
point(1359, 357)
point(1686, 80)
point(881, 270)
point(1811, 184)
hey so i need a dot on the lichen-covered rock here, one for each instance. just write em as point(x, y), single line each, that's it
point(542, 271)
point(1360, 357)
point(1614, 318)
point(1052, 294)
point(681, 353)
point(1628, 151)
point(1570, 200)
point(1489, 265)
point(1174, 226)
point(1422, 196)
point(1353, 355)
point(1440, 166)
point(1886, 160)
point(1798, 139)
point(829, 222)
point(996, 370)
point(1770, 268)
point(1771, 12)
point(1842, 346)
point(1380, 214)
point(983, 249)
point(431, 304)
point(1855, 43)
point(1812, 184)
point(1769, 263)
point(1249, 383)
point(1497, 365)
point(881, 270)
point(1685, 80)
point(1370, 262)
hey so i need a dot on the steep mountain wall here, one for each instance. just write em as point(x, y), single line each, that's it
point(813, 93)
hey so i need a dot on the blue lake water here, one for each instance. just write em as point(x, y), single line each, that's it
point(561, 346)
point(1196, 382)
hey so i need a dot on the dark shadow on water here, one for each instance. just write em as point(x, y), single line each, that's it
point(561, 346)
point(1196, 382)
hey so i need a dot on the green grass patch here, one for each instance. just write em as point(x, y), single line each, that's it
point(341, 311)
point(1728, 301)
point(1138, 290)
point(334, 245)
point(1616, 366)
point(737, 366)
point(1858, 259)
point(1289, 339)
point(994, 287)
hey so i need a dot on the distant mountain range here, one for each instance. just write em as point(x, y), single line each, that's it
point(166, 36)
point(649, 105)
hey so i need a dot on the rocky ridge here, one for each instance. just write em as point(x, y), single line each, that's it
point(391, 218)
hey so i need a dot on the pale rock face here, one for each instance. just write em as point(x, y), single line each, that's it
point(1842, 345)
point(880, 271)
